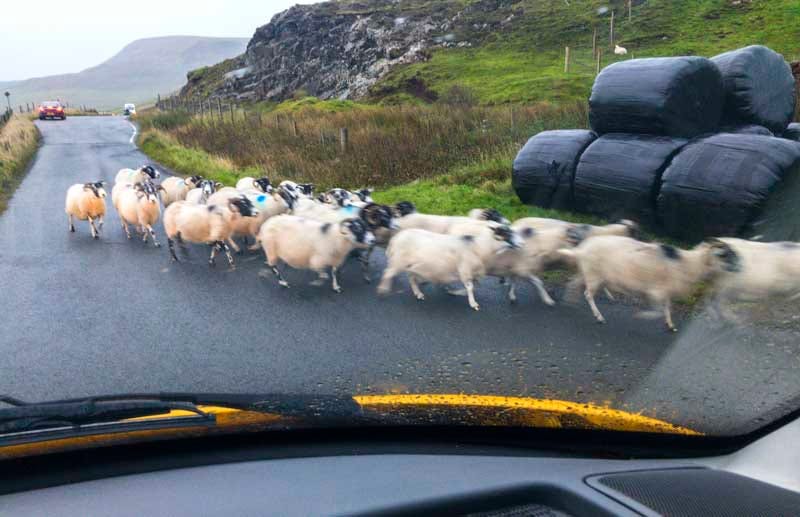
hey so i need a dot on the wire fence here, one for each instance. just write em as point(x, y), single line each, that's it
point(5, 117)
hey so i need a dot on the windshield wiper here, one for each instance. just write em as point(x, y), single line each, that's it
point(24, 416)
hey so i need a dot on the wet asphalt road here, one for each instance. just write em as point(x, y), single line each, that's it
point(83, 317)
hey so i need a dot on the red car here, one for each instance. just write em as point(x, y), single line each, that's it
point(52, 109)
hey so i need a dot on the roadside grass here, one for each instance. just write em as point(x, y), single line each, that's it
point(386, 145)
point(19, 140)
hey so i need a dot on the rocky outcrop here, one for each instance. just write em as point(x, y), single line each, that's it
point(340, 49)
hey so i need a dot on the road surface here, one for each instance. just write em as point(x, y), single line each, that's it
point(83, 317)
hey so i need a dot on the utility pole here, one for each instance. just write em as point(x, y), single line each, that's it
point(8, 100)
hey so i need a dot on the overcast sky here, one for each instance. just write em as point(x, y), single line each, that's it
point(46, 37)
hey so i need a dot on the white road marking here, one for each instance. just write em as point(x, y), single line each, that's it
point(134, 132)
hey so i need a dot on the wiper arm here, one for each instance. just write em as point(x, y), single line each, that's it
point(25, 416)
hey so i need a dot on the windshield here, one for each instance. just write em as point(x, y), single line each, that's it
point(561, 215)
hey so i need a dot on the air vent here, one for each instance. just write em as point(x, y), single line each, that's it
point(696, 492)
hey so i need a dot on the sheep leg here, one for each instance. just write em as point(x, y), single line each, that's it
point(235, 246)
point(668, 316)
point(512, 295)
point(71, 226)
point(224, 247)
point(171, 245)
point(363, 257)
point(281, 281)
point(537, 282)
point(182, 244)
point(418, 294)
point(589, 295)
point(335, 280)
point(95, 234)
point(213, 254)
point(153, 235)
point(609, 295)
point(255, 247)
point(386, 280)
point(320, 279)
point(125, 227)
point(100, 223)
point(471, 295)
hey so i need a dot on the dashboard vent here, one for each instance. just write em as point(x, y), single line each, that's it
point(696, 492)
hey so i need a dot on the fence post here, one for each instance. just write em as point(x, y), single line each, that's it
point(629, 9)
point(597, 70)
point(566, 60)
point(611, 30)
point(594, 42)
point(343, 137)
point(513, 122)
point(231, 108)
point(294, 128)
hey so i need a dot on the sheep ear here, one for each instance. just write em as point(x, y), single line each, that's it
point(162, 189)
point(217, 184)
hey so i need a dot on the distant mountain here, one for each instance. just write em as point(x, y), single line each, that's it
point(137, 73)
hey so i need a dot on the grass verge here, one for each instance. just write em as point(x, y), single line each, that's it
point(19, 140)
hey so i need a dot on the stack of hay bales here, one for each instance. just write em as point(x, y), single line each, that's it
point(684, 144)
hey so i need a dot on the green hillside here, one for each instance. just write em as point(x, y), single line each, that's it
point(526, 62)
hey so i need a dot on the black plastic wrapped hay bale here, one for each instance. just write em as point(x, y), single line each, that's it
point(619, 175)
point(716, 186)
point(545, 167)
point(792, 132)
point(759, 87)
point(747, 129)
point(672, 96)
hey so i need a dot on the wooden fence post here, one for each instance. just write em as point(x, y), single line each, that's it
point(294, 128)
point(611, 30)
point(597, 71)
point(231, 108)
point(219, 108)
point(566, 60)
point(629, 9)
point(594, 42)
point(513, 122)
point(343, 138)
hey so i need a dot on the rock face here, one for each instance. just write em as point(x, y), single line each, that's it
point(340, 49)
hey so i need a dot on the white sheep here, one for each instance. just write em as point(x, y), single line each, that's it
point(444, 259)
point(138, 205)
point(304, 243)
point(87, 202)
point(526, 262)
point(137, 175)
point(443, 223)
point(249, 183)
point(210, 224)
point(620, 51)
point(659, 272)
point(766, 269)
point(200, 194)
point(176, 188)
point(268, 205)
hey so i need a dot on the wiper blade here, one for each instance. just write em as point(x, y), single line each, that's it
point(24, 416)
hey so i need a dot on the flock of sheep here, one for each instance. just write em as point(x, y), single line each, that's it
point(294, 227)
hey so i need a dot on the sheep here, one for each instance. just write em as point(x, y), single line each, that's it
point(268, 205)
point(297, 190)
point(443, 223)
point(249, 183)
point(487, 214)
point(362, 197)
point(137, 175)
point(211, 224)
point(444, 259)
point(86, 201)
point(176, 188)
point(200, 194)
point(767, 269)
point(658, 271)
point(338, 197)
point(138, 205)
point(620, 51)
point(525, 262)
point(404, 208)
point(304, 243)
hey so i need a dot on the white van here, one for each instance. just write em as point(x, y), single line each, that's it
point(129, 109)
